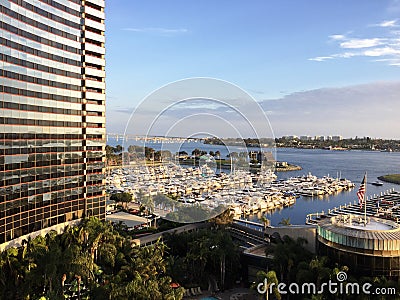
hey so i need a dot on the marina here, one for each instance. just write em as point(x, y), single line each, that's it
point(347, 164)
point(242, 192)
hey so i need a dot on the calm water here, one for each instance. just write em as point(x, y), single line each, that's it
point(347, 164)
point(350, 164)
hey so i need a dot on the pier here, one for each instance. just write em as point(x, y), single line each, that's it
point(385, 205)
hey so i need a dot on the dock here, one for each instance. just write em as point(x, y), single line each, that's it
point(241, 191)
point(385, 206)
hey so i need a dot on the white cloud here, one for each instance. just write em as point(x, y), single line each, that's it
point(325, 110)
point(345, 55)
point(382, 51)
point(337, 37)
point(361, 43)
point(338, 55)
point(390, 23)
point(387, 45)
point(320, 58)
point(320, 111)
point(159, 31)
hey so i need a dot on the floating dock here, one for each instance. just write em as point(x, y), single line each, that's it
point(384, 206)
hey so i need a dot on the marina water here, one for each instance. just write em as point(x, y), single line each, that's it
point(345, 164)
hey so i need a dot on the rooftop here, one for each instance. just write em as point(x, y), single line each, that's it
point(360, 223)
point(354, 226)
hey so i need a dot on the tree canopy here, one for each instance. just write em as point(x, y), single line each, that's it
point(90, 261)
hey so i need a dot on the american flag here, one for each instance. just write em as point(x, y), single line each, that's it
point(361, 191)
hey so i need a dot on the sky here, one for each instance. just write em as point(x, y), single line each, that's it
point(315, 67)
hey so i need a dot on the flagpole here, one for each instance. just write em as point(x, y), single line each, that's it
point(365, 201)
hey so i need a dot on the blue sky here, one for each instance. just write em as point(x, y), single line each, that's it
point(274, 50)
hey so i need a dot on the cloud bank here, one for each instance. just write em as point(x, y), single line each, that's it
point(361, 110)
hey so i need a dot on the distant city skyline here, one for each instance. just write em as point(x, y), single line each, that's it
point(331, 59)
point(333, 137)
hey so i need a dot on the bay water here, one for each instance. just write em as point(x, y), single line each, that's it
point(344, 164)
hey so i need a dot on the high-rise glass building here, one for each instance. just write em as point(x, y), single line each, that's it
point(52, 114)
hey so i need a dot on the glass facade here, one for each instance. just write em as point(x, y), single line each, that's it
point(366, 252)
point(360, 263)
point(52, 113)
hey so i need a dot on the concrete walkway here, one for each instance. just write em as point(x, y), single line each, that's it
point(233, 294)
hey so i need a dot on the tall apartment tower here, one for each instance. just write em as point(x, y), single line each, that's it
point(52, 114)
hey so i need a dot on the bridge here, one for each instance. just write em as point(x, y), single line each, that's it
point(120, 137)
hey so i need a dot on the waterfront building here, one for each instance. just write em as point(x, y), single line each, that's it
point(52, 104)
point(371, 249)
point(337, 138)
point(305, 138)
point(262, 157)
point(292, 137)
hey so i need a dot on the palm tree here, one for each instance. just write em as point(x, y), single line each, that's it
point(199, 252)
point(224, 219)
point(319, 268)
point(266, 222)
point(285, 222)
point(264, 281)
point(288, 254)
point(9, 277)
point(145, 201)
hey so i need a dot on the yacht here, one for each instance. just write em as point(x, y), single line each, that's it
point(377, 183)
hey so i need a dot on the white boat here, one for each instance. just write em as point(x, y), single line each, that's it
point(377, 183)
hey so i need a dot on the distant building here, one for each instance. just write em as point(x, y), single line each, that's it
point(281, 164)
point(266, 157)
point(337, 138)
point(319, 138)
point(292, 137)
point(306, 138)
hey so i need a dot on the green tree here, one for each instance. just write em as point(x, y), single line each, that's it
point(318, 266)
point(118, 149)
point(285, 222)
point(266, 222)
point(264, 280)
point(122, 197)
point(288, 254)
point(196, 152)
point(224, 219)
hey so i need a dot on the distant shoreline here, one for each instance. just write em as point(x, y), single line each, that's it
point(391, 178)
point(336, 149)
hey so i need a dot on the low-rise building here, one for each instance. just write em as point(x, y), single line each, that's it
point(369, 248)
